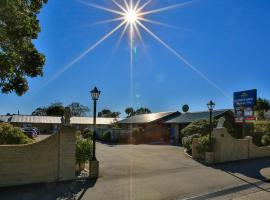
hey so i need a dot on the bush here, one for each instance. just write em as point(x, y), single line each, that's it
point(201, 127)
point(12, 135)
point(187, 142)
point(83, 150)
point(257, 130)
point(262, 126)
point(266, 140)
point(88, 134)
point(203, 145)
point(257, 138)
point(106, 136)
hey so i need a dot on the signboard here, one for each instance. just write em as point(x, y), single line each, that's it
point(244, 103)
point(245, 98)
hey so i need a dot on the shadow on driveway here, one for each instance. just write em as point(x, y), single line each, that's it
point(249, 168)
point(51, 191)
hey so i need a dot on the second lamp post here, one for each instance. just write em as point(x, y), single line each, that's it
point(211, 106)
point(95, 93)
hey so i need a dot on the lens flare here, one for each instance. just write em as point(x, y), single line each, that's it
point(132, 17)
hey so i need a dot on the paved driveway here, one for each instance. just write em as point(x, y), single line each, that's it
point(143, 172)
point(146, 172)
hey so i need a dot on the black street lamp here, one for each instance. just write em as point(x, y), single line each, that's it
point(95, 93)
point(211, 106)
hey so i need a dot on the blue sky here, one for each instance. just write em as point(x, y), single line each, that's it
point(227, 40)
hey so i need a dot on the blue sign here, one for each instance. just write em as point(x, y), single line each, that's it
point(245, 98)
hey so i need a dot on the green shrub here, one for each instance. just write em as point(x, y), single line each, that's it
point(88, 134)
point(262, 126)
point(12, 135)
point(257, 130)
point(203, 145)
point(257, 138)
point(106, 136)
point(266, 140)
point(83, 150)
point(201, 127)
point(78, 133)
point(187, 142)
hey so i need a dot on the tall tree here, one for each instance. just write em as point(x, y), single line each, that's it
point(129, 111)
point(19, 58)
point(40, 112)
point(263, 105)
point(143, 111)
point(108, 113)
point(56, 109)
point(78, 109)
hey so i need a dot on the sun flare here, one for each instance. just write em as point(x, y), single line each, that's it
point(132, 18)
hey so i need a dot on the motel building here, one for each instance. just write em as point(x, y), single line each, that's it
point(158, 127)
point(51, 124)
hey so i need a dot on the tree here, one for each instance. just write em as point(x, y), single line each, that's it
point(185, 108)
point(78, 109)
point(108, 113)
point(141, 111)
point(19, 58)
point(56, 109)
point(40, 112)
point(263, 105)
point(129, 111)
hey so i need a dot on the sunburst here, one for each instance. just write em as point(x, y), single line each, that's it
point(132, 18)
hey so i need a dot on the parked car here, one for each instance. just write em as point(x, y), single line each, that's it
point(31, 132)
point(38, 132)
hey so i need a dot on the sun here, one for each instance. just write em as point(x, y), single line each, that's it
point(131, 16)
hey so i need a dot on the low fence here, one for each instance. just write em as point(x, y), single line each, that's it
point(227, 148)
point(52, 159)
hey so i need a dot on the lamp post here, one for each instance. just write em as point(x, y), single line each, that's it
point(95, 93)
point(211, 106)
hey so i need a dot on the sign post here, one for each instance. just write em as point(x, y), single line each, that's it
point(244, 103)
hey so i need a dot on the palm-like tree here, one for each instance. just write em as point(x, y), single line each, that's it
point(129, 111)
point(262, 105)
point(143, 111)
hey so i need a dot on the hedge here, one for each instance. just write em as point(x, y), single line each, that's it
point(12, 135)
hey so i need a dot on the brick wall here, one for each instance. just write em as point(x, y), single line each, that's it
point(49, 160)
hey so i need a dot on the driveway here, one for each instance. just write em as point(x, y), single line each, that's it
point(152, 172)
point(136, 172)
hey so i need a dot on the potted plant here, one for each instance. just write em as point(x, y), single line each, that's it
point(83, 149)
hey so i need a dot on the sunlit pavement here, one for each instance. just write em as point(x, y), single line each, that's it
point(164, 172)
point(41, 137)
